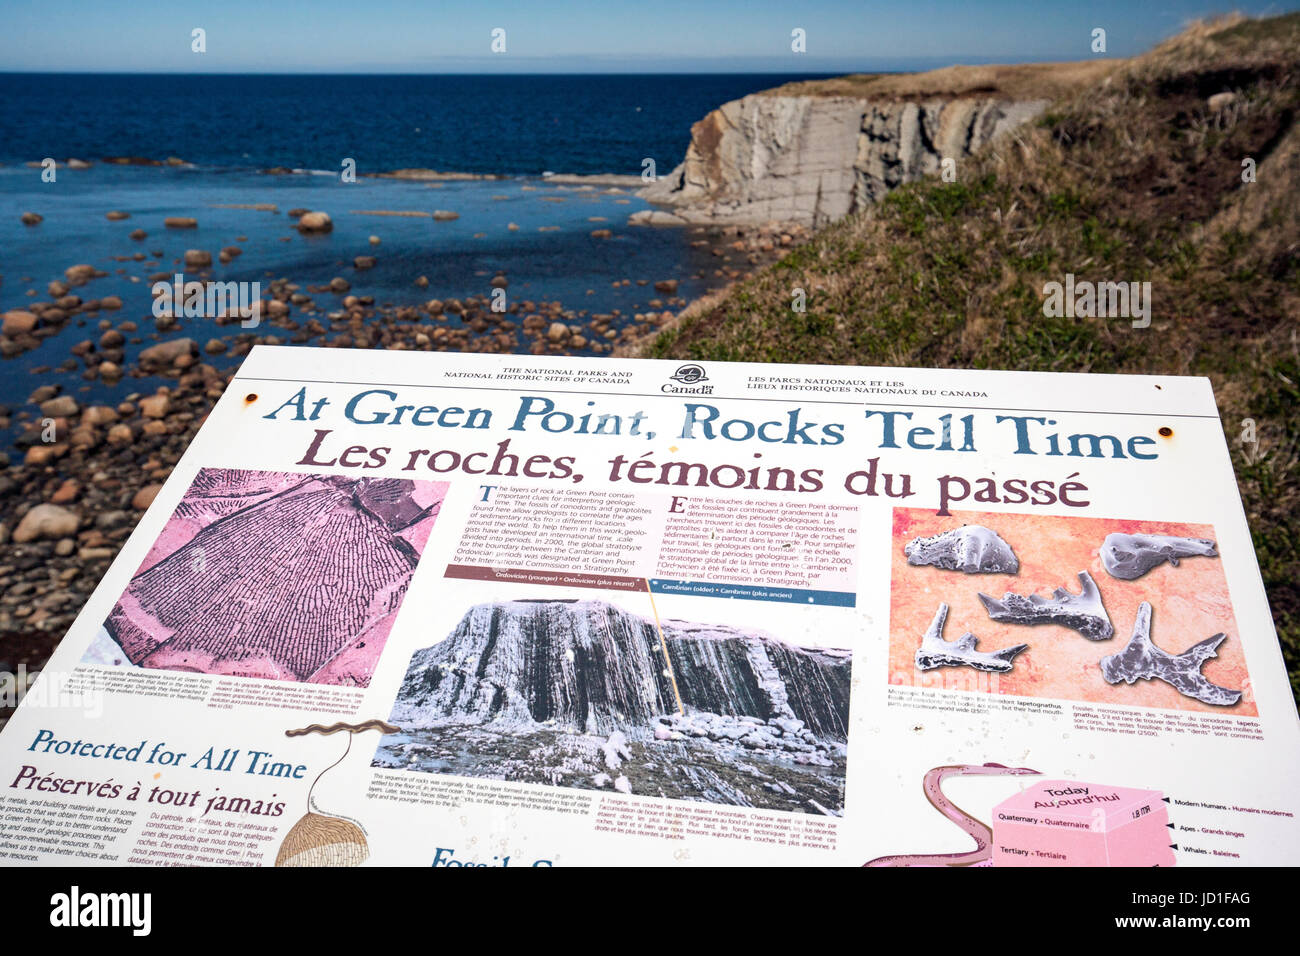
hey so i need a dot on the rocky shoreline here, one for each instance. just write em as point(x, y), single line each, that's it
point(89, 470)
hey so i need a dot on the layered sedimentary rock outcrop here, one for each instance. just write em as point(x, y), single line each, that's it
point(814, 159)
point(901, 142)
point(591, 667)
point(768, 157)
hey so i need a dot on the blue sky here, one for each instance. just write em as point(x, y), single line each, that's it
point(409, 36)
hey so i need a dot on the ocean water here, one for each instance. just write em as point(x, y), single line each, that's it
point(230, 128)
point(522, 125)
point(551, 255)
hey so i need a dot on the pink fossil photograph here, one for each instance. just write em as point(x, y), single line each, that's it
point(1115, 611)
point(275, 575)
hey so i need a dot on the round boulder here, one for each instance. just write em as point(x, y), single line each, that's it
point(18, 322)
point(165, 354)
point(315, 222)
point(62, 406)
point(145, 496)
point(46, 521)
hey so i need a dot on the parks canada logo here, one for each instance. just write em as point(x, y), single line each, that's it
point(688, 379)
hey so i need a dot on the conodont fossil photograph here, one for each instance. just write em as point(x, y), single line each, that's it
point(598, 692)
point(274, 575)
point(1133, 613)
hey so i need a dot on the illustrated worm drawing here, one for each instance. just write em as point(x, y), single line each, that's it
point(324, 731)
point(980, 832)
point(319, 839)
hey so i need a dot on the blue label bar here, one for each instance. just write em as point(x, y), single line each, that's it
point(753, 592)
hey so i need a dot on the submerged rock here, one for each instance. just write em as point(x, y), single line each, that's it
point(19, 322)
point(165, 354)
point(315, 222)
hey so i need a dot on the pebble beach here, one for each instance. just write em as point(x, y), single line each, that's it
point(105, 390)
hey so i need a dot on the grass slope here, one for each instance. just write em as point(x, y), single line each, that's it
point(1135, 178)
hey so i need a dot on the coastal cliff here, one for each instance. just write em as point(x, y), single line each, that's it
point(814, 152)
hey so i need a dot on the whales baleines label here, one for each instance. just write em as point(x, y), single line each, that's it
point(937, 652)
point(1142, 660)
point(1129, 556)
point(972, 549)
point(979, 831)
point(1082, 612)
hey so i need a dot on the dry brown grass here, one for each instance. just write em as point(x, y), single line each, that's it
point(1011, 81)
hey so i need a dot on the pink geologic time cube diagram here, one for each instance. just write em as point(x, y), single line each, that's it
point(1066, 823)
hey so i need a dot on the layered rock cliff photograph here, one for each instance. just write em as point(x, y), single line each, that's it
point(585, 694)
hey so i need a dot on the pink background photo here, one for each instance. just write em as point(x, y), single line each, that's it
point(1190, 603)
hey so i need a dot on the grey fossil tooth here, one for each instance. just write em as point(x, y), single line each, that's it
point(937, 652)
point(1143, 660)
point(1082, 612)
point(972, 549)
point(1129, 556)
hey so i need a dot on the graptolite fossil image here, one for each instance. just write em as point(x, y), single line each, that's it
point(582, 693)
point(1073, 628)
point(274, 575)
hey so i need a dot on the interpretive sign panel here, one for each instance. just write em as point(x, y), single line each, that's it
point(446, 609)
